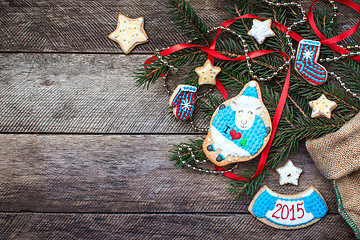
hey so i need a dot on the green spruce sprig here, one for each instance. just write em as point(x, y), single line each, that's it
point(296, 124)
point(186, 19)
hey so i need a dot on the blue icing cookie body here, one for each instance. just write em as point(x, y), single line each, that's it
point(298, 211)
point(224, 122)
point(315, 204)
point(264, 203)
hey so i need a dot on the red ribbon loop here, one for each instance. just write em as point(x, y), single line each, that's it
point(331, 42)
point(212, 54)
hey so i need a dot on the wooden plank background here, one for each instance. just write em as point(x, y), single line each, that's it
point(84, 152)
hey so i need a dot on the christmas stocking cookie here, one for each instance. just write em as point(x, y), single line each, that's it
point(239, 129)
point(182, 100)
point(306, 65)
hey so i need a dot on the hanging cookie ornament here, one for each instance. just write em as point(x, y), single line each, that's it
point(306, 62)
point(182, 100)
point(207, 73)
point(322, 107)
point(261, 30)
point(239, 129)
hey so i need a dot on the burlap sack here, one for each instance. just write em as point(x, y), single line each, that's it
point(337, 155)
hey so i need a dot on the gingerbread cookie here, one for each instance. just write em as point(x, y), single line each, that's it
point(261, 30)
point(182, 100)
point(239, 129)
point(306, 62)
point(207, 73)
point(288, 211)
point(129, 33)
point(289, 173)
point(322, 107)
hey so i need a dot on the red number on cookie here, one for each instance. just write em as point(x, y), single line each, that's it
point(287, 212)
point(279, 204)
point(293, 213)
point(298, 209)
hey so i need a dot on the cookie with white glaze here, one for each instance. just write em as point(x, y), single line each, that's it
point(289, 173)
point(239, 129)
point(129, 33)
point(322, 107)
point(288, 211)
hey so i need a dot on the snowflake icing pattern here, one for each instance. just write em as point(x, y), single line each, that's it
point(308, 54)
point(186, 104)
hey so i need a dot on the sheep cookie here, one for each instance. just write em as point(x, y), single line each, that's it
point(239, 129)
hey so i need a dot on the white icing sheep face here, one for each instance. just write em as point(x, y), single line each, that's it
point(246, 110)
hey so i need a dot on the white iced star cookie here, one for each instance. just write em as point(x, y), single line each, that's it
point(207, 73)
point(289, 173)
point(129, 33)
point(322, 107)
point(260, 30)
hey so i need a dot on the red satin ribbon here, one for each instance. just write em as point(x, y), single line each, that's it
point(214, 54)
point(279, 26)
point(150, 61)
point(331, 42)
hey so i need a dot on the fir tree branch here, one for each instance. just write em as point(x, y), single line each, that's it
point(295, 124)
point(188, 21)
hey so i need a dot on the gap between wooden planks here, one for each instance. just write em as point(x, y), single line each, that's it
point(122, 173)
point(159, 226)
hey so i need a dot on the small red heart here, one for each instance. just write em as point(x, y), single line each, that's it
point(235, 135)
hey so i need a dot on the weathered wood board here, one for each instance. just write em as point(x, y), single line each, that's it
point(159, 226)
point(84, 26)
point(96, 93)
point(84, 152)
point(121, 173)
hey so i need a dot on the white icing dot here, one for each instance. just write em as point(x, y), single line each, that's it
point(252, 84)
point(209, 139)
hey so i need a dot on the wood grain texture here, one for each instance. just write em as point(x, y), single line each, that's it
point(83, 25)
point(121, 173)
point(72, 93)
point(160, 226)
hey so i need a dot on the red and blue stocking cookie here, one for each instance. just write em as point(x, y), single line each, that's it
point(182, 100)
point(306, 65)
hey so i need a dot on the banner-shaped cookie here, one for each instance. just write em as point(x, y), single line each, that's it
point(239, 129)
point(288, 211)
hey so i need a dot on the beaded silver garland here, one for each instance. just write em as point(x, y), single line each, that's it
point(343, 56)
point(247, 58)
point(251, 72)
point(192, 156)
point(335, 58)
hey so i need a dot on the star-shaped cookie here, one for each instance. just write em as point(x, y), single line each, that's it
point(129, 33)
point(322, 107)
point(289, 173)
point(207, 73)
point(260, 30)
